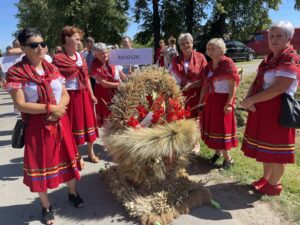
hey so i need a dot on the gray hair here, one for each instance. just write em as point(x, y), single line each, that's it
point(286, 26)
point(99, 46)
point(219, 43)
point(185, 36)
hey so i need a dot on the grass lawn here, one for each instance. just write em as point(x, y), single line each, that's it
point(241, 63)
point(247, 170)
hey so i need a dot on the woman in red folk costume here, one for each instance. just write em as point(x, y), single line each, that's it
point(186, 69)
point(159, 54)
point(81, 109)
point(107, 81)
point(38, 91)
point(218, 126)
point(264, 139)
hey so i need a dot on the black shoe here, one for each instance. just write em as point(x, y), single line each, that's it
point(47, 214)
point(214, 159)
point(227, 164)
point(76, 200)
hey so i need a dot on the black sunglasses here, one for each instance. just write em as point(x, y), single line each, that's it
point(36, 44)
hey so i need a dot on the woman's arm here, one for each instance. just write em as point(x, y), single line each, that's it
point(203, 91)
point(90, 90)
point(65, 98)
point(232, 90)
point(34, 108)
point(106, 84)
point(280, 85)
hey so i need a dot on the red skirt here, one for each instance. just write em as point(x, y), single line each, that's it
point(264, 139)
point(82, 117)
point(218, 130)
point(104, 96)
point(49, 158)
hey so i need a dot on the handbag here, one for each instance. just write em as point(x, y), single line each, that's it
point(17, 138)
point(290, 112)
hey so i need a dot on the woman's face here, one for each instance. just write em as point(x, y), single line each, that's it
point(213, 51)
point(186, 46)
point(101, 55)
point(161, 44)
point(35, 48)
point(278, 40)
point(73, 42)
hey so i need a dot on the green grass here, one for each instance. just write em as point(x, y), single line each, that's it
point(246, 169)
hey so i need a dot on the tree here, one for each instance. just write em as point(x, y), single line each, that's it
point(105, 20)
point(234, 19)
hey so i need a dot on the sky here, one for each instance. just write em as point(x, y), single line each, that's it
point(8, 21)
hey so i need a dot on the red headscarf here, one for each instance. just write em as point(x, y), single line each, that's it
point(24, 72)
point(105, 71)
point(197, 62)
point(70, 70)
point(287, 60)
point(226, 70)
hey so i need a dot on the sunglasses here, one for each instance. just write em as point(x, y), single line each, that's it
point(36, 44)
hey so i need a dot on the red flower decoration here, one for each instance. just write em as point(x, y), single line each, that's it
point(142, 111)
point(150, 100)
point(133, 122)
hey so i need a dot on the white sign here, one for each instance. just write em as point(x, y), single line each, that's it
point(137, 56)
point(8, 61)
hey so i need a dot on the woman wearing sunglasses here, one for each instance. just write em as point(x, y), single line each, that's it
point(38, 91)
point(80, 110)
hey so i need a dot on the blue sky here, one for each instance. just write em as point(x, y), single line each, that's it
point(8, 22)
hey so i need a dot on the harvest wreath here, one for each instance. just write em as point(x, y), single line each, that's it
point(149, 137)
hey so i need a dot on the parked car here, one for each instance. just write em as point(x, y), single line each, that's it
point(260, 42)
point(239, 51)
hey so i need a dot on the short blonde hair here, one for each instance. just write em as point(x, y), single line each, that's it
point(217, 42)
point(185, 36)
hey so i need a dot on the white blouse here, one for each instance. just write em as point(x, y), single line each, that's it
point(72, 84)
point(186, 66)
point(220, 86)
point(270, 75)
point(30, 89)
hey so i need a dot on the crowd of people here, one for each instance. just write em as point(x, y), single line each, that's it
point(57, 100)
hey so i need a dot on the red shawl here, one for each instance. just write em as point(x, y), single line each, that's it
point(287, 60)
point(24, 72)
point(70, 70)
point(106, 71)
point(196, 64)
point(226, 70)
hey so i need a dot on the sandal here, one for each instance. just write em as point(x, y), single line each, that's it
point(76, 200)
point(47, 214)
point(227, 164)
point(256, 185)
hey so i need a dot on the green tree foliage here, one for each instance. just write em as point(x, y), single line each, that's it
point(105, 20)
point(229, 19)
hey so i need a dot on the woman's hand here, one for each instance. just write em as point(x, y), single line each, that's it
point(94, 99)
point(58, 110)
point(228, 108)
point(191, 85)
point(247, 103)
point(52, 118)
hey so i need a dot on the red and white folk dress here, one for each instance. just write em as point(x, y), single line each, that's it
point(80, 109)
point(50, 154)
point(264, 139)
point(103, 94)
point(218, 130)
